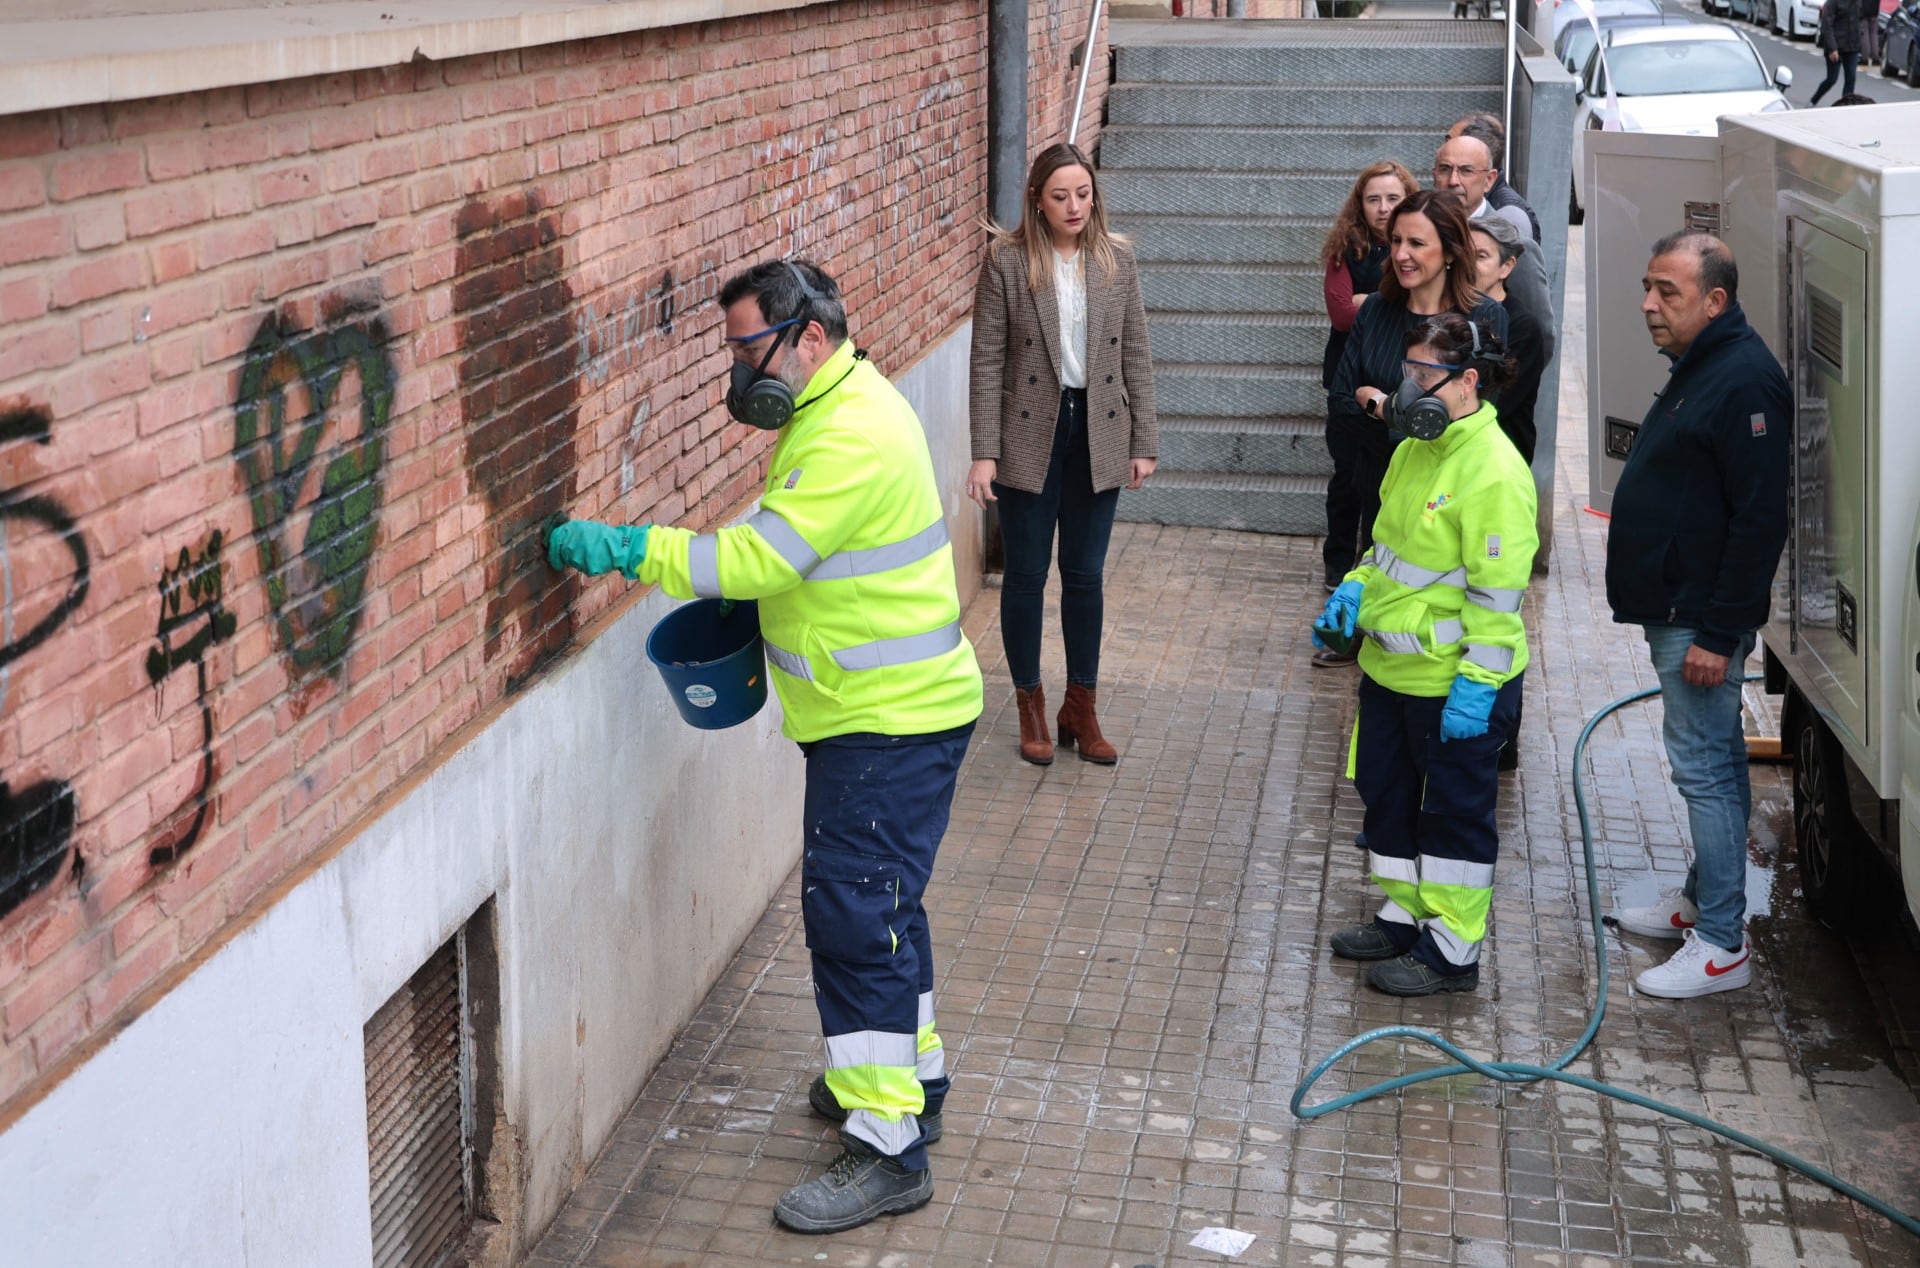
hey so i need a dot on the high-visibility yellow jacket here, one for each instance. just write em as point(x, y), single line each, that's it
point(1452, 553)
point(849, 559)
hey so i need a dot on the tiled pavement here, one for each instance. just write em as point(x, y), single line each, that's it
point(1134, 980)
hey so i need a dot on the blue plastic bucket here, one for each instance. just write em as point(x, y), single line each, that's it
point(714, 665)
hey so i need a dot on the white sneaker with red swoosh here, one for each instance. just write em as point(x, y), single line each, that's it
point(1671, 917)
point(1699, 968)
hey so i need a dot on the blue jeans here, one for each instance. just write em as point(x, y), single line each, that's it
point(1708, 752)
point(1085, 520)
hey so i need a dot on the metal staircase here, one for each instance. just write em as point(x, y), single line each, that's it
point(1227, 150)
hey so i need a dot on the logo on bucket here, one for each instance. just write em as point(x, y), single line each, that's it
point(701, 696)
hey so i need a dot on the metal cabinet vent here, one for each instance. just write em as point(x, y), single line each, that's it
point(1826, 331)
point(419, 1115)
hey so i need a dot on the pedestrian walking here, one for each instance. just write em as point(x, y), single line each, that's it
point(1429, 271)
point(849, 559)
point(1699, 520)
point(1839, 40)
point(1062, 417)
point(1438, 599)
point(1356, 259)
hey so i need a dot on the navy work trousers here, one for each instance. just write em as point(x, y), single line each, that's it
point(876, 808)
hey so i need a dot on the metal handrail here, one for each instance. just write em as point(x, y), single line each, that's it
point(1086, 64)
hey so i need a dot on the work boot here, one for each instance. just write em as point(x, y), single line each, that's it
point(1366, 942)
point(823, 1102)
point(1078, 725)
point(860, 1185)
point(1036, 745)
point(1404, 975)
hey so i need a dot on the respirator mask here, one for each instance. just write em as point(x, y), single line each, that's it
point(1414, 411)
point(755, 397)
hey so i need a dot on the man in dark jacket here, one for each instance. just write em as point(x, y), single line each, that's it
point(1487, 129)
point(1699, 519)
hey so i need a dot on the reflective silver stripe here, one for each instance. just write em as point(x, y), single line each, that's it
point(703, 566)
point(1448, 631)
point(870, 1047)
point(864, 563)
point(1435, 871)
point(926, 1008)
point(1497, 659)
point(931, 1064)
point(792, 663)
point(785, 540)
point(1387, 867)
point(900, 651)
point(1397, 642)
point(892, 1139)
point(1457, 950)
point(1494, 599)
point(1394, 914)
point(1413, 575)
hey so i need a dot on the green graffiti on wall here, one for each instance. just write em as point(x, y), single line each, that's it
point(315, 585)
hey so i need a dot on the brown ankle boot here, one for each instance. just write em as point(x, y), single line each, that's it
point(1078, 725)
point(1036, 745)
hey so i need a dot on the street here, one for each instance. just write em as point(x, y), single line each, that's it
point(1804, 60)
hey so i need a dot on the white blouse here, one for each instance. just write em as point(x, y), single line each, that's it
point(1070, 297)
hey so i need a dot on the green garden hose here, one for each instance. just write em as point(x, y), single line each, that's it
point(1521, 1072)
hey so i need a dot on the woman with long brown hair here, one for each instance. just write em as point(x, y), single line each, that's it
point(1355, 254)
point(1062, 416)
point(1430, 271)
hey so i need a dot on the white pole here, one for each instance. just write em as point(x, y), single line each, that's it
point(1086, 64)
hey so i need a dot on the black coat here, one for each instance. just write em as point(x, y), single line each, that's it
point(1365, 274)
point(1840, 26)
point(1700, 512)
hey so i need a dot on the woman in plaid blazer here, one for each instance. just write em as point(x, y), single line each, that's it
point(1062, 416)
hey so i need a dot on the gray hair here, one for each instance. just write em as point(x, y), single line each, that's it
point(1501, 230)
point(1717, 269)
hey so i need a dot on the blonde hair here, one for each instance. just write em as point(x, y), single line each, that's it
point(1033, 236)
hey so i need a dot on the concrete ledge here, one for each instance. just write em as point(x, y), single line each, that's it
point(103, 56)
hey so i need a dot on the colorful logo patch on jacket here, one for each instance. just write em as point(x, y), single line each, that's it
point(1439, 502)
point(1493, 546)
point(793, 478)
point(1759, 424)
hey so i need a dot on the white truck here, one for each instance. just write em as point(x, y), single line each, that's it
point(1822, 210)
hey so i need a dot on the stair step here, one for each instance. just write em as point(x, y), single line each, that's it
point(1263, 149)
point(1158, 190)
point(1259, 504)
point(1239, 288)
point(1294, 241)
point(1245, 446)
point(1348, 62)
point(1210, 390)
point(1347, 105)
point(1237, 338)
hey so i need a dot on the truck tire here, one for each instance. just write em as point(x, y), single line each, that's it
point(1831, 847)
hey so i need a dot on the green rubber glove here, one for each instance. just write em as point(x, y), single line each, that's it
point(594, 548)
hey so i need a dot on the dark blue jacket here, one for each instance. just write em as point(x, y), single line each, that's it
point(1700, 513)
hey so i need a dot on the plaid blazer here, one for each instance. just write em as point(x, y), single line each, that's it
point(1015, 399)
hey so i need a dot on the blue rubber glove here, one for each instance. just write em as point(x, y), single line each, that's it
point(1469, 705)
point(1342, 610)
point(592, 548)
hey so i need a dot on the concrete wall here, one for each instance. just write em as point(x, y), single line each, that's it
point(226, 1124)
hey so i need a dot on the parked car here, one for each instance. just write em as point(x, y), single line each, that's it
point(1795, 19)
point(1566, 11)
point(1746, 10)
point(1900, 51)
point(1678, 79)
point(1577, 40)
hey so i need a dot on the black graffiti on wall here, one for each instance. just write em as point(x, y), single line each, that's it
point(314, 523)
point(36, 822)
point(191, 593)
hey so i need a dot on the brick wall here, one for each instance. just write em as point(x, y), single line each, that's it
point(292, 375)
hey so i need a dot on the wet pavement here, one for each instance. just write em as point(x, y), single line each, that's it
point(1134, 979)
